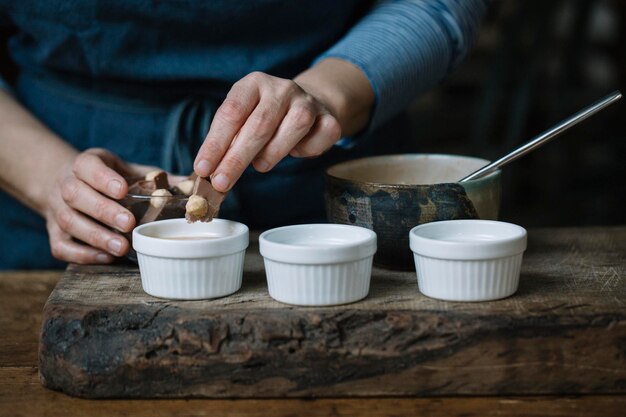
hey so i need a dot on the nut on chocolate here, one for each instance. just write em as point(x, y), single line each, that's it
point(158, 199)
point(197, 206)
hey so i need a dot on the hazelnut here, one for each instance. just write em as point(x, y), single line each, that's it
point(160, 197)
point(197, 206)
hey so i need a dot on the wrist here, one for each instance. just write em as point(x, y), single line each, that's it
point(344, 89)
point(57, 167)
point(31, 156)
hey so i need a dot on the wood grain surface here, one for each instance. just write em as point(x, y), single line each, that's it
point(22, 296)
point(562, 333)
point(21, 395)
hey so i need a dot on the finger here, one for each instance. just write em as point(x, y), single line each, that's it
point(324, 134)
point(64, 249)
point(93, 170)
point(228, 120)
point(254, 135)
point(297, 123)
point(118, 165)
point(85, 199)
point(80, 227)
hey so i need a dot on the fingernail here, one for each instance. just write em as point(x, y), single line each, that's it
point(220, 181)
point(115, 245)
point(262, 165)
point(103, 258)
point(203, 168)
point(115, 187)
point(122, 220)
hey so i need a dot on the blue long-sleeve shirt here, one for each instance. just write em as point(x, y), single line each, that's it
point(404, 46)
point(143, 78)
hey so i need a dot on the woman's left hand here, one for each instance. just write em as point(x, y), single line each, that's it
point(262, 120)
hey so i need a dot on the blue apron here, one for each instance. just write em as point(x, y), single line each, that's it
point(165, 127)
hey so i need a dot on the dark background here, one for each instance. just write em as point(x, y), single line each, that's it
point(535, 63)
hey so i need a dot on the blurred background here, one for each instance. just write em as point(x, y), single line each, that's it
point(535, 63)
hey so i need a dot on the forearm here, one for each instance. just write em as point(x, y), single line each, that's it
point(30, 154)
point(406, 47)
point(344, 89)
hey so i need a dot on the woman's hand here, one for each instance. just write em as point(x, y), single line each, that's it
point(262, 120)
point(73, 191)
point(80, 206)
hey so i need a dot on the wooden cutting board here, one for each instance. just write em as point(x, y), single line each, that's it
point(563, 332)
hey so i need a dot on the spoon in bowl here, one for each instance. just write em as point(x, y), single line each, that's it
point(546, 136)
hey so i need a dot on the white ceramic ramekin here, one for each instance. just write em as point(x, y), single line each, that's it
point(318, 264)
point(208, 266)
point(468, 260)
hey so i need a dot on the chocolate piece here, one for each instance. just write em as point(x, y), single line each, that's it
point(153, 181)
point(160, 180)
point(196, 209)
point(158, 202)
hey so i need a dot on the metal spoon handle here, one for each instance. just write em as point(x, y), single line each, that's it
point(544, 137)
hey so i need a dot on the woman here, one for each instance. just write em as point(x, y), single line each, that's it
point(273, 83)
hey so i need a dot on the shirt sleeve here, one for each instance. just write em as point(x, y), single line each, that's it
point(405, 47)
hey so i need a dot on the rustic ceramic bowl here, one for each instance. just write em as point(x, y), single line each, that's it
point(392, 194)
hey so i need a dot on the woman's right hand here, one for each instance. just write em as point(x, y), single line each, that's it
point(81, 204)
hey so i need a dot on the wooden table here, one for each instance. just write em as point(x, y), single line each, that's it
point(23, 294)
